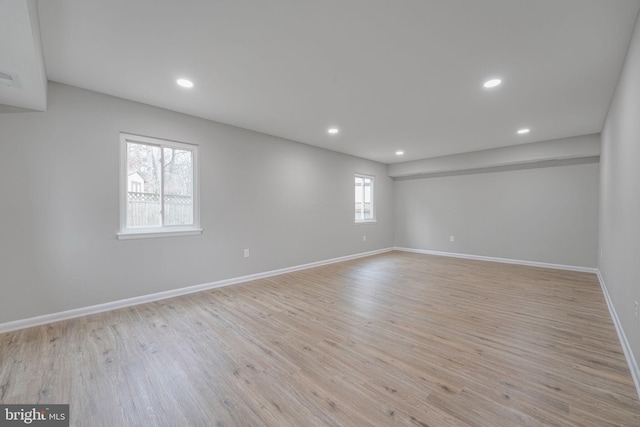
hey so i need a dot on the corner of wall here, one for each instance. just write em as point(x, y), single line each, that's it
point(626, 347)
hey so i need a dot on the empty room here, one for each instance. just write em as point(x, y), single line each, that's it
point(319, 213)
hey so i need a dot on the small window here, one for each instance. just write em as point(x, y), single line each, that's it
point(159, 188)
point(364, 199)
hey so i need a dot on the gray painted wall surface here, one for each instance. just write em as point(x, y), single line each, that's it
point(619, 230)
point(289, 203)
point(545, 214)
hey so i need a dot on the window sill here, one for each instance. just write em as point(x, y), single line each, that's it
point(366, 221)
point(130, 235)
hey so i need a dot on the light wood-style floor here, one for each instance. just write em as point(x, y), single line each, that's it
point(393, 339)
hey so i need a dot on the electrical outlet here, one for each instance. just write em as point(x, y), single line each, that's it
point(364, 238)
point(452, 238)
point(635, 310)
point(246, 253)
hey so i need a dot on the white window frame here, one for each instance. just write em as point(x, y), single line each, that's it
point(167, 230)
point(373, 199)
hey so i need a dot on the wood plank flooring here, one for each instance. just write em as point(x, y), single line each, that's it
point(396, 339)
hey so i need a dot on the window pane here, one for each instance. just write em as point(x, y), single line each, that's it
point(364, 203)
point(359, 197)
point(143, 185)
point(368, 199)
point(178, 187)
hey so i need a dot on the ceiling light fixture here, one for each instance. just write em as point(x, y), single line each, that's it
point(185, 83)
point(399, 153)
point(492, 83)
point(523, 131)
point(333, 131)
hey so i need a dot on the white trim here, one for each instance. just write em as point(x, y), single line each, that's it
point(114, 305)
point(163, 231)
point(502, 260)
point(160, 233)
point(373, 199)
point(626, 348)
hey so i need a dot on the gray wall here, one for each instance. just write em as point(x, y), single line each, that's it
point(619, 230)
point(287, 202)
point(545, 214)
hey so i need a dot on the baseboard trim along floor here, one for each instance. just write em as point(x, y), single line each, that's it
point(114, 305)
point(502, 260)
point(626, 348)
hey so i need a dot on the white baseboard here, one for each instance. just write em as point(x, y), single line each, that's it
point(502, 260)
point(626, 348)
point(114, 305)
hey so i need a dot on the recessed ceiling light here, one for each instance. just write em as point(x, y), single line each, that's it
point(492, 83)
point(399, 153)
point(184, 83)
point(333, 131)
point(523, 131)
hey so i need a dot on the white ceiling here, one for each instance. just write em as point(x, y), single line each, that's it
point(392, 75)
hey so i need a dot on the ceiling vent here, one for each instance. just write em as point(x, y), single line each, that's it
point(10, 79)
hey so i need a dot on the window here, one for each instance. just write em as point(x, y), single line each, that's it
point(364, 198)
point(159, 188)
